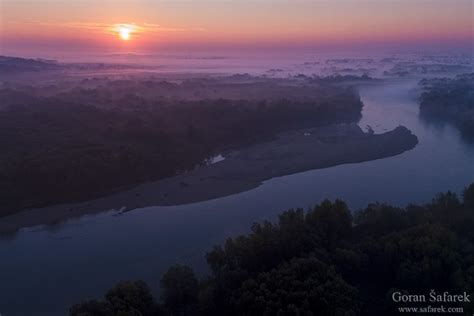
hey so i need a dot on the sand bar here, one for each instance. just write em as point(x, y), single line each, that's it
point(242, 170)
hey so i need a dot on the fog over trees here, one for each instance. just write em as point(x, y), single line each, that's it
point(450, 100)
point(80, 140)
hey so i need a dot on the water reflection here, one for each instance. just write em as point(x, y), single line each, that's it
point(54, 267)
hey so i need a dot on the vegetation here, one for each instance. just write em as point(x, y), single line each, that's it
point(450, 100)
point(63, 144)
point(338, 78)
point(325, 261)
point(16, 64)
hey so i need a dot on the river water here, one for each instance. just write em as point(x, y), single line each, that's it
point(43, 270)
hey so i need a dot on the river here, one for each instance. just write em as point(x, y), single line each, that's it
point(44, 270)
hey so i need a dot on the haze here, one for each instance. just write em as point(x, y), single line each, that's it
point(235, 157)
point(88, 26)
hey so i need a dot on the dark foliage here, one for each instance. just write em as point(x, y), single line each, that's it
point(70, 146)
point(450, 100)
point(16, 64)
point(180, 290)
point(326, 262)
point(125, 299)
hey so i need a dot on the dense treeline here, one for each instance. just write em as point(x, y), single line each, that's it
point(326, 261)
point(450, 100)
point(55, 150)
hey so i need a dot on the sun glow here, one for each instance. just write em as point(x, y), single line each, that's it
point(125, 32)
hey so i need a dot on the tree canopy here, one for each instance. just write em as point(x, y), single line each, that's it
point(323, 261)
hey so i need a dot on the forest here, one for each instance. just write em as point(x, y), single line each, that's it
point(450, 100)
point(325, 260)
point(69, 142)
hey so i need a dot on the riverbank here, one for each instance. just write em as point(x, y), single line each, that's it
point(242, 170)
point(93, 137)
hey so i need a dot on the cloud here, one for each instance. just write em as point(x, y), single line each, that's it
point(136, 28)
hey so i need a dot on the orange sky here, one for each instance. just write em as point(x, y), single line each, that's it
point(92, 24)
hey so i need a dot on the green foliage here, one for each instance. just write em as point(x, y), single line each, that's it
point(332, 223)
point(303, 286)
point(125, 299)
point(180, 290)
point(131, 298)
point(322, 262)
point(420, 258)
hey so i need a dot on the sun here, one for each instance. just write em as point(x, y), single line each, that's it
point(124, 33)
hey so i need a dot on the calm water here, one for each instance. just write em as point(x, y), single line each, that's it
point(43, 270)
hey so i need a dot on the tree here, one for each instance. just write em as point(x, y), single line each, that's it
point(333, 222)
point(127, 298)
point(180, 290)
point(133, 298)
point(468, 196)
point(321, 262)
point(92, 308)
point(304, 286)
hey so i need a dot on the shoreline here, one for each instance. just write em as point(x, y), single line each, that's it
point(242, 170)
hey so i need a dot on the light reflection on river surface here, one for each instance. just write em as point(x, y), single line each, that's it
point(43, 270)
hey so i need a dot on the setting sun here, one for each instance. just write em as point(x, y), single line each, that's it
point(124, 33)
point(226, 157)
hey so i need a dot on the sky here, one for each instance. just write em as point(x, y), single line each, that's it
point(198, 25)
